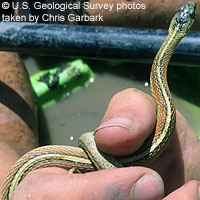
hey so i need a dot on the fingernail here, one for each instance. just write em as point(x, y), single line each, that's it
point(199, 193)
point(148, 187)
point(122, 121)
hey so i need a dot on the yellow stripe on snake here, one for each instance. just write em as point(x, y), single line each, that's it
point(91, 158)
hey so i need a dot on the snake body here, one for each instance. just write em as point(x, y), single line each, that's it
point(91, 158)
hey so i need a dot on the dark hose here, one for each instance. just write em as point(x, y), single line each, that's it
point(126, 44)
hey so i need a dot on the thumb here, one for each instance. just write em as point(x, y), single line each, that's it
point(136, 183)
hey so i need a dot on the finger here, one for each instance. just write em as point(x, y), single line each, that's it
point(128, 121)
point(16, 95)
point(125, 183)
point(188, 191)
point(17, 108)
point(180, 161)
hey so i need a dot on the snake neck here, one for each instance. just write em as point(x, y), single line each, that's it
point(166, 113)
point(161, 61)
point(158, 77)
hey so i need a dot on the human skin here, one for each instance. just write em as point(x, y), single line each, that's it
point(156, 15)
point(15, 136)
point(129, 119)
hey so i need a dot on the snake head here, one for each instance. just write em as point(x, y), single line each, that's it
point(184, 18)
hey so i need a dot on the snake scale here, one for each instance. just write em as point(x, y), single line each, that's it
point(88, 158)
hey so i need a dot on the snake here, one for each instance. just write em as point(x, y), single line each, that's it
point(87, 157)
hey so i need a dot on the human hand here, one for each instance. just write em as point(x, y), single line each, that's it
point(130, 118)
point(134, 119)
point(136, 183)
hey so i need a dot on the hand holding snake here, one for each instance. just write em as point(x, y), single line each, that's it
point(57, 156)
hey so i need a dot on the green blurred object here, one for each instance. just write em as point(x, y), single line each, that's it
point(51, 85)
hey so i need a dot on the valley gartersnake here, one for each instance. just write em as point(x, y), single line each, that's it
point(91, 158)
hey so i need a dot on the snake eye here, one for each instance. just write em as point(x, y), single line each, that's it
point(181, 8)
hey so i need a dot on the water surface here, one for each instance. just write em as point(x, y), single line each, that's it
point(82, 111)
